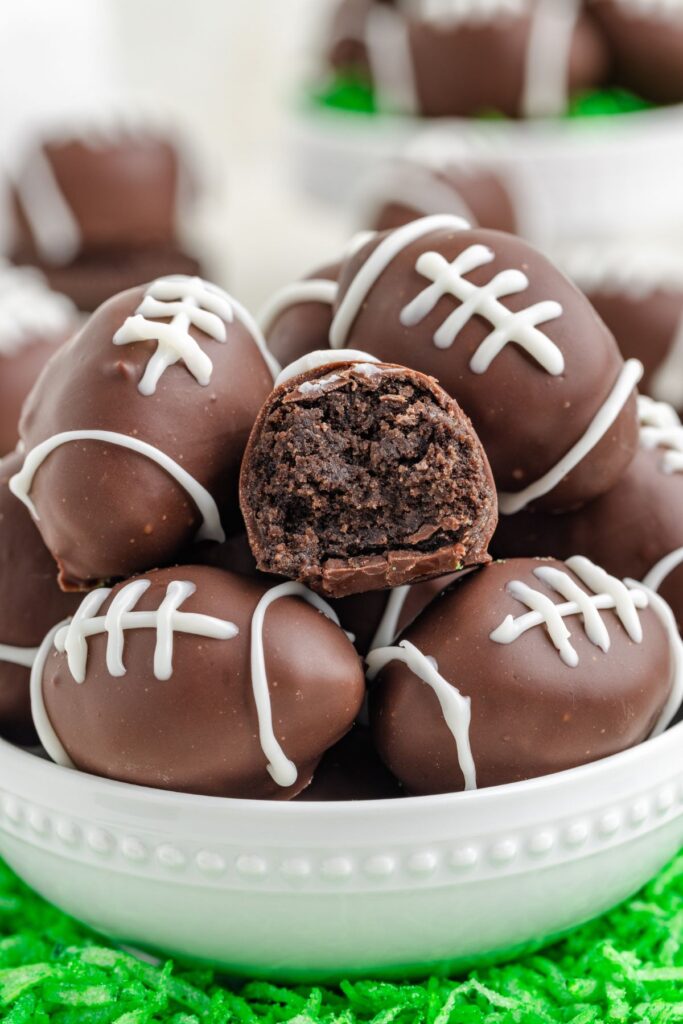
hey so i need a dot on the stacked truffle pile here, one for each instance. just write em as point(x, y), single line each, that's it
point(209, 660)
point(518, 58)
point(101, 210)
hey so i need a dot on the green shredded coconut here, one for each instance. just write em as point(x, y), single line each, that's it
point(625, 968)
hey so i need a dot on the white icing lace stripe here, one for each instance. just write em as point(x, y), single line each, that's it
point(387, 629)
point(324, 357)
point(609, 593)
point(46, 734)
point(520, 328)
point(23, 656)
point(456, 709)
point(21, 483)
point(631, 372)
point(377, 262)
point(280, 768)
point(295, 294)
point(166, 621)
point(546, 87)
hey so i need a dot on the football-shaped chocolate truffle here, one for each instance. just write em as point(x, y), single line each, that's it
point(437, 58)
point(296, 320)
point(352, 770)
point(635, 530)
point(101, 212)
point(645, 38)
point(200, 681)
point(30, 604)
point(405, 190)
point(34, 321)
point(637, 289)
point(135, 431)
point(521, 669)
point(360, 475)
point(512, 340)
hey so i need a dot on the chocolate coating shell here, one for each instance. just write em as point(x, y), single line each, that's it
point(508, 401)
point(197, 732)
point(31, 603)
point(302, 327)
point(628, 530)
point(359, 477)
point(531, 714)
point(352, 770)
point(107, 512)
point(646, 47)
point(18, 373)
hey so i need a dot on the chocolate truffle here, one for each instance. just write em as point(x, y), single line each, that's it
point(30, 604)
point(637, 289)
point(362, 475)
point(135, 431)
point(404, 190)
point(352, 770)
point(34, 321)
point(197, 680)
point(512, 340)
point(636, 529)
point(645, 38)
point(103, 211)
point(296, 320)
point(521, 669)
point(436, 58)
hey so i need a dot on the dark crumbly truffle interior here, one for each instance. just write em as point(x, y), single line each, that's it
point(363, 464)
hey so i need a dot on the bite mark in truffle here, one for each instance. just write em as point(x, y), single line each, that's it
point(363, 476)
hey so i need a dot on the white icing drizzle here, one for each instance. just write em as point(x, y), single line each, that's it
point(29, 310)
point(546, 85)
point(323, 357)
point(23, 656)
point(377, 262)
point(296, 294)
point(387, 629)
point(607, 593)
point(48, 737)
point(520, 328)
point(413, 185)
point(72, 639)
point(660, 428)
point(21, 483)
point(456, 709)
point(387, 44)
point(280, 768)
point(666, 617)
point(663, 568)
point(630, 374)
point(54, 228)
point(187, 302)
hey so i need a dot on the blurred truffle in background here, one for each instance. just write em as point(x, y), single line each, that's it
point(34, 322)
point(103, 210)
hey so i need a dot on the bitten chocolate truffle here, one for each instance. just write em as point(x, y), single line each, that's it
point(645, 38)
point(200, 681)
point(521, 669)
point(437, 58)
point(34, 321)
point(637, 289)
point(404, 190)
point(30, 604)
point(135, 432)
point(102, 211)
point(512, 340)
point(636, 529)
point(360, 476)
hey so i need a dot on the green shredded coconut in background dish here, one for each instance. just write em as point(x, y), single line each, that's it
point(626, 967)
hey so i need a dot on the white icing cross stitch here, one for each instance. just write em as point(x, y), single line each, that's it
point(520, 328)
point(660, 427)
point(608, 593)
point(189, 302)
point(167, 620)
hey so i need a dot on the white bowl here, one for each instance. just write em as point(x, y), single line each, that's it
point(592, 176)
point(323, 890)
